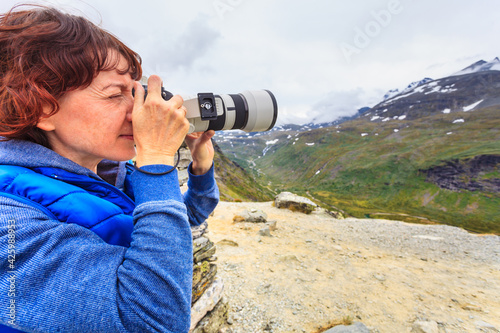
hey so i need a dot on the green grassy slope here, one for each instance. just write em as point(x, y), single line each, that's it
point(236, 184)
point(379, 174)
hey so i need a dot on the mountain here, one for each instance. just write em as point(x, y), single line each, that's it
point(338, 121)
point(394, 92)
point(236, 136)
point(428, 155)
point(454, 93)
point(481, 66)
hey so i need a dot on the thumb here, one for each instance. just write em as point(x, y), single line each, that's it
point(208, 135)
point(201, 137)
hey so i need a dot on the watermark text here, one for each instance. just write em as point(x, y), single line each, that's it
point(363, 36)
point(11, 279)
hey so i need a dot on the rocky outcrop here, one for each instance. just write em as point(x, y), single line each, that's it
point(205, 305)
point(335, 214)
point(207, 315)
point(480, 173)
point(254, 215)
point(185, 159)
point(209, 310)
point(215, 319)
point(251, 215)
point(204, 271)
point(294, 203)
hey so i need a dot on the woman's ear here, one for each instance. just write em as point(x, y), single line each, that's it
point(45, 122)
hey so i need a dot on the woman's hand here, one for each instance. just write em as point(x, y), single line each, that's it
point(202, 151)
point(159, 126)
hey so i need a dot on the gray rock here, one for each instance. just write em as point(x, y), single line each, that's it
point(425, 327)
point(185, 159)
point(335, 214)
point(251, 215)
point(294, 202)
point(199, 244)
point(380, 277)
point(273, 225)
point(205, 253)
point(207, 314)
point(484, 325)
point(265, 232)
point(200, 230)
point(207, 302)
point(356, 327)
point(205, 280)
point(200, 270)
point(215, 319)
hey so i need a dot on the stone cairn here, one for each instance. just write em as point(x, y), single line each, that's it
point(209, 309)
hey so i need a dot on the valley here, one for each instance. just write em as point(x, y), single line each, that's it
point(407, 158)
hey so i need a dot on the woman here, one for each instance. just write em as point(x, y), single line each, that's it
point(92, 243)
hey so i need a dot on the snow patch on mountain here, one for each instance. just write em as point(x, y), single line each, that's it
point(480, 66)
point(395, 92)
point(272, 142)
point(472, 106)
point(269, 145)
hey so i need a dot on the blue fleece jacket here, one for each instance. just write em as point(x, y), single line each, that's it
point(67, 279)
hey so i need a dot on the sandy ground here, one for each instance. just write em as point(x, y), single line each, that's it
point(315, 270)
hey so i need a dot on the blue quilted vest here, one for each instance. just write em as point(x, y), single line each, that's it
point(72, 198)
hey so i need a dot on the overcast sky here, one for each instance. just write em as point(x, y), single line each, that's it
point(321, 58)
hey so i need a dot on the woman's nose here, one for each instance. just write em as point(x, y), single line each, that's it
point(130, 108)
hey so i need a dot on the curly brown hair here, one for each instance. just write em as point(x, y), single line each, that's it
point(45, 53)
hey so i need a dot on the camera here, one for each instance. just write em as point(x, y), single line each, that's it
point(249, 111)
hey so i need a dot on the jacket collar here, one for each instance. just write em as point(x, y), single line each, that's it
point(31, 155)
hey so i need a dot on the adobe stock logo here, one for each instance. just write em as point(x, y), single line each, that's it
point(372, 29)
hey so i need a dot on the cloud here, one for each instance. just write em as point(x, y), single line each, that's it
point(180, 51)
point(332, 106)
point(337, 104)
point(292, 47)
point(192, 44)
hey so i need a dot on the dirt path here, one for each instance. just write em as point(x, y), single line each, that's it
point(314, 270)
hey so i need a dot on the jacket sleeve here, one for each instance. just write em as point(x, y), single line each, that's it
point(66, 279)
point(202, 196)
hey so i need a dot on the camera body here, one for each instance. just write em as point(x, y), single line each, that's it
point(249, 111)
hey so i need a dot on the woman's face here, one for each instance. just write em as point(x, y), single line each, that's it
point(95, 123)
